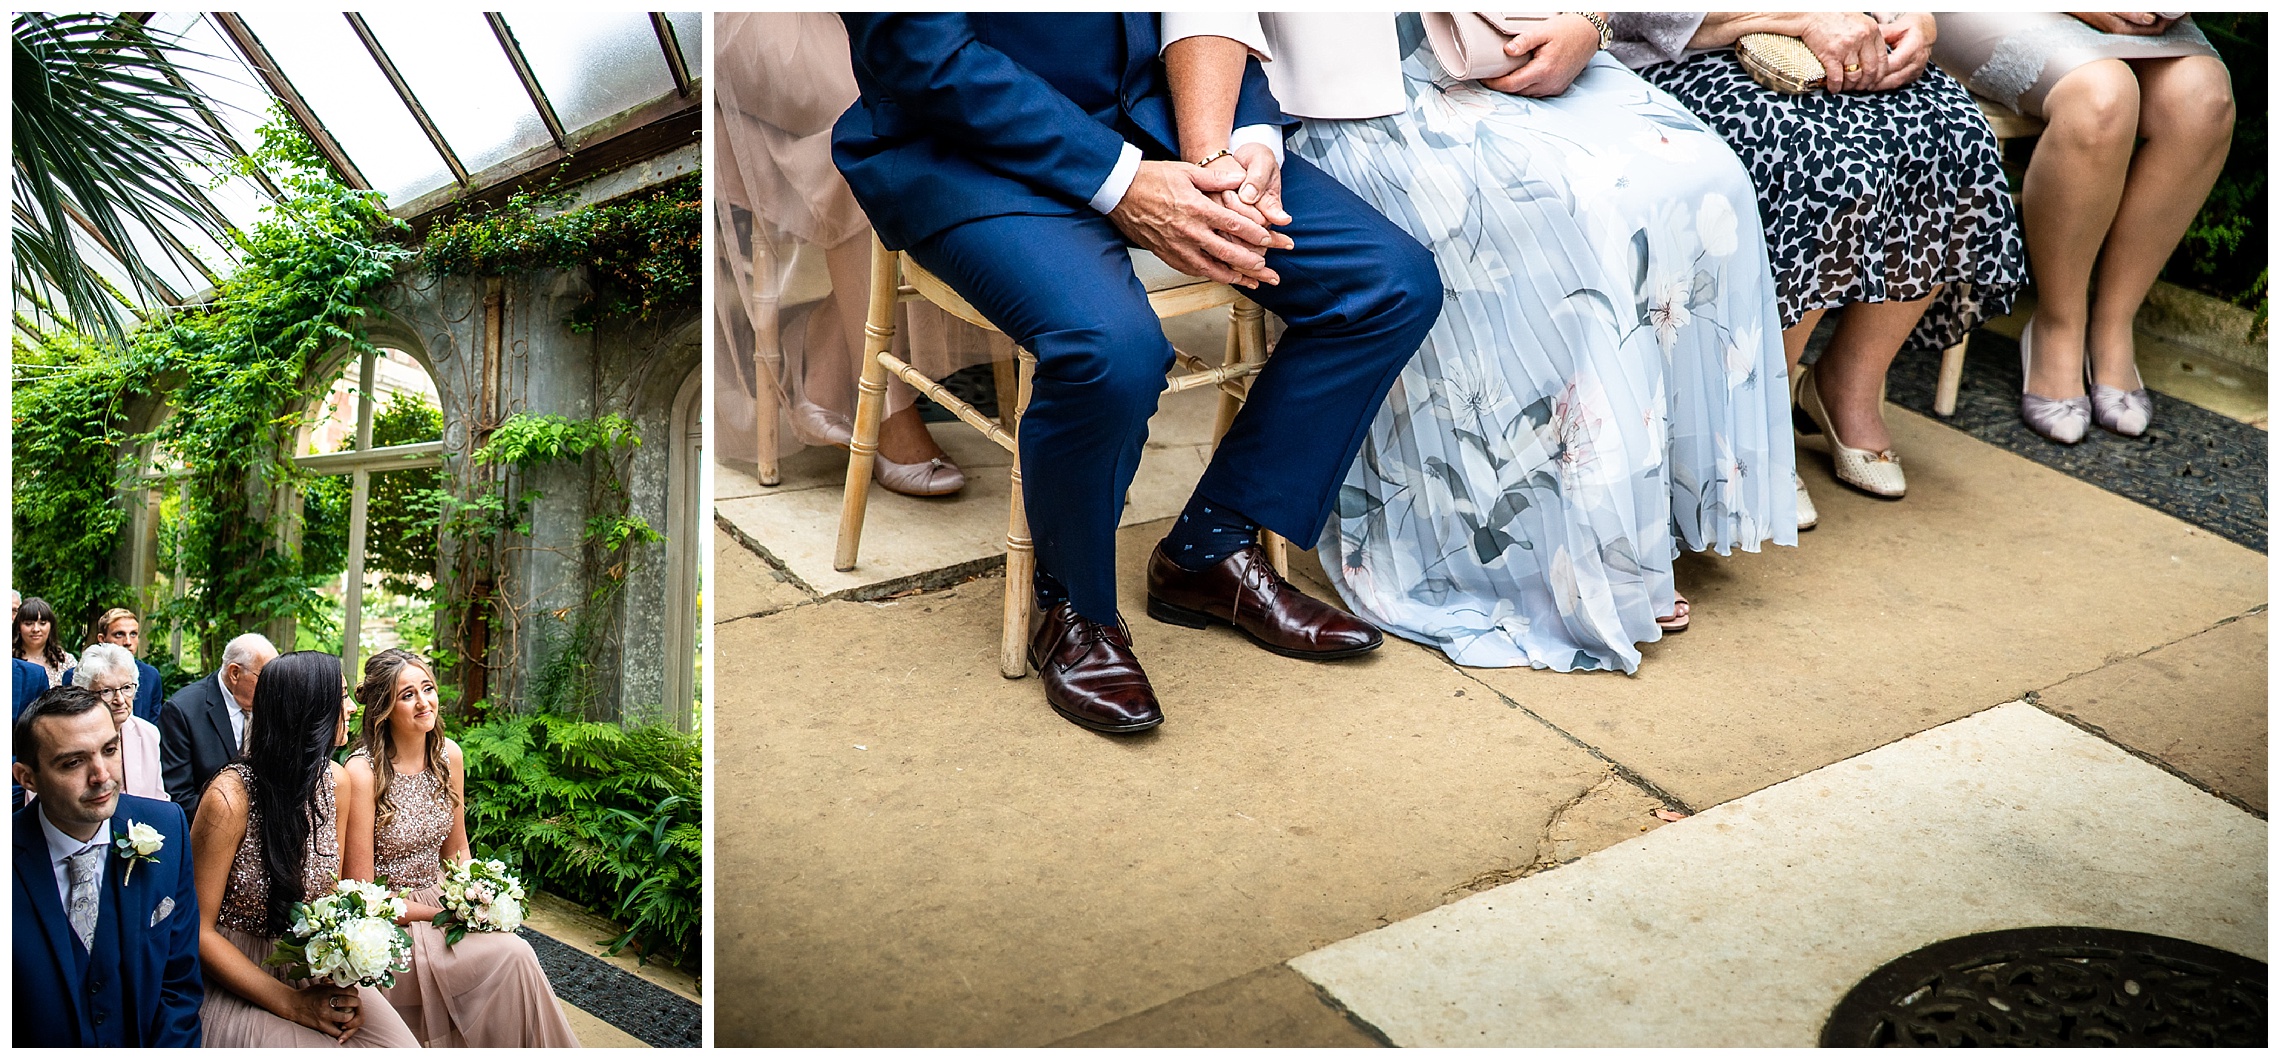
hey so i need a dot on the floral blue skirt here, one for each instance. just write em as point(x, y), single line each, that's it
point(1606, 381)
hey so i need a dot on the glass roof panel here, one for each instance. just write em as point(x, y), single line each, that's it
point(594, 66)
point(321, 56)
point(234, 92)
point(688, 32)
point(461, 76)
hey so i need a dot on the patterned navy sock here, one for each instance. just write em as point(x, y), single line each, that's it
point(1207, 532)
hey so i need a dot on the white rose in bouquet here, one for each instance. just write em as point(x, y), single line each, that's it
point(347, 938)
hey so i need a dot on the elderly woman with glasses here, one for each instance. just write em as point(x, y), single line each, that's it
point(109, 671)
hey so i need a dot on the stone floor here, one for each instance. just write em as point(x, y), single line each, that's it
point(2012, 698)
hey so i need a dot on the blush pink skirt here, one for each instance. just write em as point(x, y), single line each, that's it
point(486, 992)
point(232, 1022)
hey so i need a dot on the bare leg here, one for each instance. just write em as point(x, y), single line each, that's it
point(2185, 113)
point(1850, 374)
point(2072, 189)
point(1793, 337)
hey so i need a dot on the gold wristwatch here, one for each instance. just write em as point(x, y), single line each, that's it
point(1598, 22)
point(1216, 156)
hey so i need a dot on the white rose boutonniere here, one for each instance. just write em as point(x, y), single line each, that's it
point(141, 843)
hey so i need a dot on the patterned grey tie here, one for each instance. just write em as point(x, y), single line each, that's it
point(81, 905)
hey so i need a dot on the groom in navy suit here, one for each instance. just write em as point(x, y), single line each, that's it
point(1018, 157)
point(106, 938)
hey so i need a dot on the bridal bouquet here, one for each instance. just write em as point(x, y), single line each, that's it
point(479, 896)
point(348, 937)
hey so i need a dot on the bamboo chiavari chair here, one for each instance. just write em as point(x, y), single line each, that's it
point(895, 279)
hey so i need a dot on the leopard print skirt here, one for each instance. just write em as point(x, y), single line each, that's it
point(1869, 197)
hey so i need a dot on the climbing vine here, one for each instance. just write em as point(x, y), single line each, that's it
point(567, 684)
point(640, 252)
point(241, 369)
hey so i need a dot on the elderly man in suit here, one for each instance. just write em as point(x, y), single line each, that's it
point(202, 728)
point(1018, 157)
point(105, 942)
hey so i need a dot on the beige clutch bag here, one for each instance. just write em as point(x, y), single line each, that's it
point(1470, 44)
point(1781, 63)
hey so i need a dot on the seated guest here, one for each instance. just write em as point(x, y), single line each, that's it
point(403, 818)
point(109, 672)
point(1018, 157)
point(202, 728)
point(36, 640)
point(268, 838)
point(2139, 113)
point(1519, 499)
point(31, 677)
point(120, 626)
point(105, 945)
point(1882, 195)
point(31, 680)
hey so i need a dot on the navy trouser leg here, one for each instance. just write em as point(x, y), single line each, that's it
point(1063, 288)
point(1358, 294)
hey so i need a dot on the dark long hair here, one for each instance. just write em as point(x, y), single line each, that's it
point(38, 610)
point(296, 714)
point(377, 693)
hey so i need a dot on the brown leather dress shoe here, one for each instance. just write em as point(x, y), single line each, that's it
point(1244, 591)
point(1091, 676)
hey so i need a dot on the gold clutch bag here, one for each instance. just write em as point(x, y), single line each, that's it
point(1781, 63)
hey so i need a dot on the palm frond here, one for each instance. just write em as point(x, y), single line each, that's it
point(107, 139)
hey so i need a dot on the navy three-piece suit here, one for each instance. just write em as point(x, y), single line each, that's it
point(976, 145)
point(139, 985)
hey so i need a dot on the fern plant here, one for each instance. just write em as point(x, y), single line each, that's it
point(607, 817)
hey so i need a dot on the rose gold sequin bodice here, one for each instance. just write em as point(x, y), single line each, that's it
point(245, 899)
point(408, 850)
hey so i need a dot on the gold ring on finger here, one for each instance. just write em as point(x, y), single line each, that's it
point(1852, 68)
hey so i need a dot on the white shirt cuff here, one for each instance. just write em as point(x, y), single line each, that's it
point(1119, 180)
point(1269, 135)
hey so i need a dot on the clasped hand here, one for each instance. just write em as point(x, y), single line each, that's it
point(1860, 54)
point(1209, 221)
point(331, 1010)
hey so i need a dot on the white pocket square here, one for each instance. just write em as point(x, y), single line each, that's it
point(165, 909)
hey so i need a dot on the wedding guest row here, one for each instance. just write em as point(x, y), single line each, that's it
point(138, 924)
point(1634, 228)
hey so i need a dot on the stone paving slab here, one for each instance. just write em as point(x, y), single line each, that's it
point(931, 857)
point(1272, 1008)
point(2199, 706)
point(1745, 924)
point(1994, 577)
point(797, 521)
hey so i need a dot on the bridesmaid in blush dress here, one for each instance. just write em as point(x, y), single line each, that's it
point(405, 818)
point(267, 837)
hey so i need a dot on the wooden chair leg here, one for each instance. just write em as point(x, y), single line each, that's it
point(1229, 404)
point(870, 401)
point(1020, 551)
point(767, 363)
point(1006, 371)
point(1951, 377)
point(1278, 551)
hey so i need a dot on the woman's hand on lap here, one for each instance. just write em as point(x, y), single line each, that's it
point(1910, 37)
point(1562, 45)
point(2126, 23)
point(334, 1011)
point(1842, 39)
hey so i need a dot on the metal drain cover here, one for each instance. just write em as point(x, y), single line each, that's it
point(2056, 986)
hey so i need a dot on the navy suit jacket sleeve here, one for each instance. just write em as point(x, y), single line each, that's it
point(936, 74)
point(184, 991)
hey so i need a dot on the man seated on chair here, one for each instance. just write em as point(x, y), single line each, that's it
point(105, 940)
point(1017, 157)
